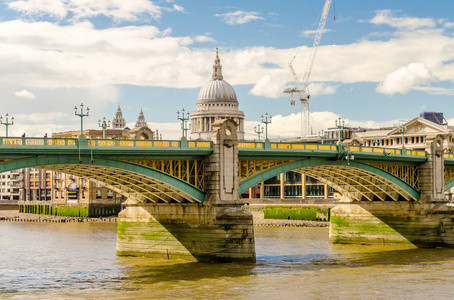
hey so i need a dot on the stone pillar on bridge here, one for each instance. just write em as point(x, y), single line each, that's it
point(431, 173)
point(216, 230)
point(427, 222)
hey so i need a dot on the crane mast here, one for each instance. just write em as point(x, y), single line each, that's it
point(302, 90)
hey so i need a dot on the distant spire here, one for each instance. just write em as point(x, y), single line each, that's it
point(217, 68)
point(118, 121)
point(141, 121)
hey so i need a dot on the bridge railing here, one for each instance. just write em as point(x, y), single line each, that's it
point(329, 147)
point(387, 151)
point(31, 141)
point(286, 146)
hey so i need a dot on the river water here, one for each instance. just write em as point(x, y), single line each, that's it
point(78, 261)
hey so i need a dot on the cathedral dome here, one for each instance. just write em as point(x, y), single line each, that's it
point(216, 101)
point(217, 89)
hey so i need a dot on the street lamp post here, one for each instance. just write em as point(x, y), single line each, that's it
point(6, 123)
point(340, 125)
point(266, 120)
point(81, 115)
point(258, 130)
point(403, 129)
point(183, 116)
point(322, 136)
point(376, 141)
point(104, 125)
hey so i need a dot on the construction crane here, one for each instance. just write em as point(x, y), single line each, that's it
point(301, 91)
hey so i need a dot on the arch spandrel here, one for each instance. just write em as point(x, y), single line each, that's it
point(357, 180)
point(134, 181)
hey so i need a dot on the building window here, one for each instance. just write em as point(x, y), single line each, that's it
point(98, 185)
point(109, 194)
point(98, 194)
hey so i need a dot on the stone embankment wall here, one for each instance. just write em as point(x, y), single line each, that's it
point(84, 211)
point(288, 223)
point(16, 216)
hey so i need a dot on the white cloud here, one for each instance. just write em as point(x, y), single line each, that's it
point(449, 24)
point(168, 131)
point(289, 127)
point(118, 10)
point(406, 78)
point(239, 17)
point(204, 39)
point(25, 94)
point(270, 86)
point(54, 8)
point(46, 55)
point(178, 8)
point(436, 90)
point(42, 118)
point(322, 89)
point(385, 17)
point(37, 124)
point(312, 33)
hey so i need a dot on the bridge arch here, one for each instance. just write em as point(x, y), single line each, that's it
point(449, 185)
point(356, 180)
point(136, 182)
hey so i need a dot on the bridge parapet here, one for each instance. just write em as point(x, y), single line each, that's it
point(326, 149)
point(26, 141)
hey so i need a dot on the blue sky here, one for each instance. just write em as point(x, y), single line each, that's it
point(378, 63)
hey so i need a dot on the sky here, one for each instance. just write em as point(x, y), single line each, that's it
point(379, 62)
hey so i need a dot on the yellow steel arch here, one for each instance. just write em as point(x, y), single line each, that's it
point(358, 181)
point(134, 186)
point(356, 184)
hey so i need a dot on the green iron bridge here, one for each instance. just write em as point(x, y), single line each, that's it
point(158, 171)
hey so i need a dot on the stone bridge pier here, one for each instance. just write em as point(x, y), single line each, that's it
point(427, 222)
point(217, 230)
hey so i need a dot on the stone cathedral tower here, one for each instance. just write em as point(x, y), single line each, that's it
point(118, 122)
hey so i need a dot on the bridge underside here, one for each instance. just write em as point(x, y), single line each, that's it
point(134, 186)
point(136, 182)
point(357, 184)
point(357, 181)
